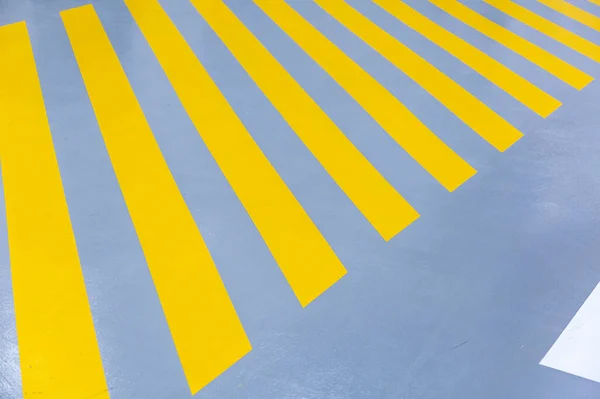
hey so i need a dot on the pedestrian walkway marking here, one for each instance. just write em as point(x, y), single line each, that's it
point(464, 105)
point(305, 258)
point(535, 54)
point(382, 206)
point(64, 361)
point(528, 94)
point(206, 330)
point(551, 29)
point(57, 341)
point(586, 18)
point(577, 350)
point(431, 153)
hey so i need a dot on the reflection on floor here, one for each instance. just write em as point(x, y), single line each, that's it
point(302, 199)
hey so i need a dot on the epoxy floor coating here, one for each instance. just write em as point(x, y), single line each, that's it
point(301, 199)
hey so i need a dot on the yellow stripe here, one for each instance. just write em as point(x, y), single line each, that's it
point(307, 261)
point(437, 158)
point(464, 105)
point(57, 342)
point(597, 2)
point(579, 15)
point(205, 327)
point(387, 211)
point(529, 95)
point(548, 28)
point(537, 55)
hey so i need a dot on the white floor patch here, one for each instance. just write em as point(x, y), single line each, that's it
point(577, 350)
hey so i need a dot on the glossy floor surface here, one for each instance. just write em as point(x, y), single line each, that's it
point(269, 199)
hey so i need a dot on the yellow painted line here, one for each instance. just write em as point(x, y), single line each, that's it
point(551, 29)
point(305, 258)
point(464, 105)
point(573, 12)
point(597, 2)
point(57, 341)
point(427, 149)
point(528, 94)
point(385, 209)
point(535, 54)
point(206, 330)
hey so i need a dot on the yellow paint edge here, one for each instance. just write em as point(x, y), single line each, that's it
point(206, 330)
point(370, 192)
point(57, 341)
point(549, 62)
point(518, 87)
point(305, 258)
point(401, 124)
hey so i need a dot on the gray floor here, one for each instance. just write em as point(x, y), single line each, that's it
point(463, 304)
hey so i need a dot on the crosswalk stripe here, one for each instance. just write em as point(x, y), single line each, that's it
point(305, 258)
point(437, 158)
point(206, 330)
point(586, 18)
point(382, 206)
point(528, 94)
point(597, 2)
point(464, 105)
point(551, 29)
point(57, 341)
point(535, 54)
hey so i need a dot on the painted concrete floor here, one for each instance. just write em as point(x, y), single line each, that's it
point(299, 200)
